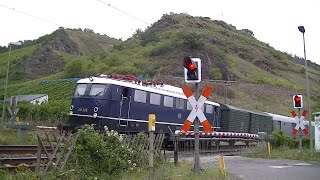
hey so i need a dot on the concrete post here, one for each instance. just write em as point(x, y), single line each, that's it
point(262, 143)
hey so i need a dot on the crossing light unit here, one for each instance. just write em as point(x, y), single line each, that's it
point(192, 70)
point(297, 101)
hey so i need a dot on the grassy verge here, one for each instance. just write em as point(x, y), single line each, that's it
point(10, 137)
point(286, 153)
point(164, 171)
point(169, 171)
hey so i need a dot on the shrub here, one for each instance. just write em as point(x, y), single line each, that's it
point(191, 40)
point(215, 73)
point(106, 154)
point(161, 48)
point(148, 37)
point(80, 68)
point(280, 139)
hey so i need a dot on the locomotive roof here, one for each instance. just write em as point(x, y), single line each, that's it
point(160, 89)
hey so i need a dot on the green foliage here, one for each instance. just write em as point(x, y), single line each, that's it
point(161, 48)
point(167, 170)
point(284, 152)
point(215, 73)
point(21, 173)
point(17, 75)
point(107, 154)
point(16, 57)
point(148, 37)
point(51, 111)
point(145, 67)
point(190, 40)
point(280, 139)
point(10, 136)
point(80, 68)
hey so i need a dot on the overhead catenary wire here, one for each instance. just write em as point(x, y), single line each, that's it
point(123, 12)
point(30, 15)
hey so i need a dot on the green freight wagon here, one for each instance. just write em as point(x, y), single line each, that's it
point(234, 119)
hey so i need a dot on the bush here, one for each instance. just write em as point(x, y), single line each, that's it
point(52, 111)
point(191, 40)
point(161, 48)
point(280, 139)
point(107, 154)
point(215, 73)
point(80, 68)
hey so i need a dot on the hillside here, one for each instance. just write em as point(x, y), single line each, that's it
point(49, 54)
point(265, 78)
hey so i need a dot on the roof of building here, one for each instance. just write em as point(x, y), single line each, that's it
point(29, 97)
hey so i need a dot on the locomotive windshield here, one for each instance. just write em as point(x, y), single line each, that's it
point(94, 90)
point(97, 90)
point(80, 89)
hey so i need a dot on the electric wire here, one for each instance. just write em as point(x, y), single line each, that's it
point(123, 12)
point(13, 9)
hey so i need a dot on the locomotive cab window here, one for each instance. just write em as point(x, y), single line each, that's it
point(97, 90)
point(140, 96)
point(80, 89)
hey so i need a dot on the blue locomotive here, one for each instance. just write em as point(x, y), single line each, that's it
point(123, 103)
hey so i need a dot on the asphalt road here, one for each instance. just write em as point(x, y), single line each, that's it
point(267, 169)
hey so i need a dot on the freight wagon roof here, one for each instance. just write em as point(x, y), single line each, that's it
point(229, 107)
point(288, 119)
point(160, 89)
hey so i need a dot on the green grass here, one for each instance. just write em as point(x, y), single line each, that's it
point(16, 56)
point(10, 137)
point(164, 172)
point(286, 153)
point(170, 171)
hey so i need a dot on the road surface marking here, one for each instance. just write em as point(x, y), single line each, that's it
point(302, 164)
point(280, 167)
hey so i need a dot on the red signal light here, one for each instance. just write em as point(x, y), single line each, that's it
point(297, 99)
point(192, 69)
point(191, 66)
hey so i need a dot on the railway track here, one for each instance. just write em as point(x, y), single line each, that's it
point(21, 156)
point(21, 149)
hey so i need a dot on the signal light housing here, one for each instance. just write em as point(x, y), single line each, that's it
point(192, 70)
point(297, 101)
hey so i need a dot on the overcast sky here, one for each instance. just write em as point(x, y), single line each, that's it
point(272, 21)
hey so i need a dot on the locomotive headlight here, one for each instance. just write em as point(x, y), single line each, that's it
point(71, 112)
point(71, 107)
point(95, 109)
point(95, 115)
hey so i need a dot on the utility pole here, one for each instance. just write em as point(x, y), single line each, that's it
point(302, 30)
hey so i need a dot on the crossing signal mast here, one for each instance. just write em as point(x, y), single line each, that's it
point(192, 70)
point(192, 74)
